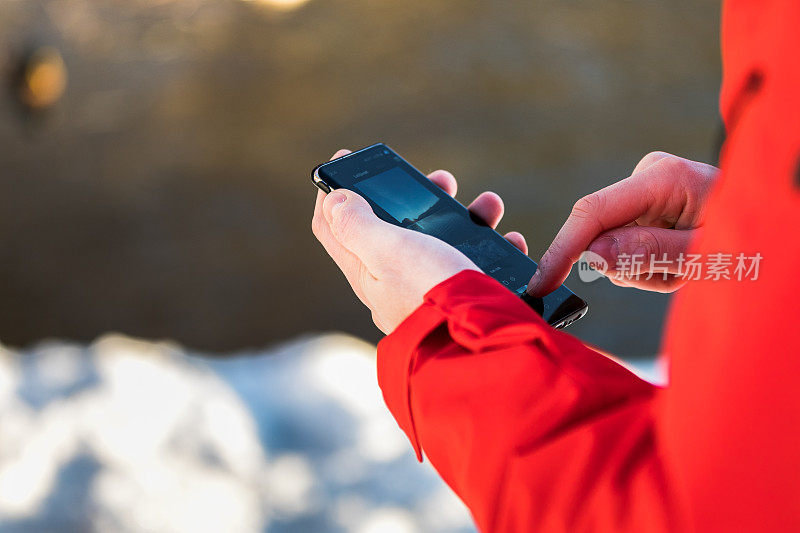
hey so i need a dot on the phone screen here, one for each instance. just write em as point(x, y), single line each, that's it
point(414, 206)
point(402, 195)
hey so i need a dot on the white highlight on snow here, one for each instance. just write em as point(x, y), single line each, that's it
point(388, 520)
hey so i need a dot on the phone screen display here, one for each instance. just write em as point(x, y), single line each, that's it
point(414, 206)
point(401, 195)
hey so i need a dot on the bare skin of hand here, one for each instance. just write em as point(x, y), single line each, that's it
point(652, 213)
point(391, 268)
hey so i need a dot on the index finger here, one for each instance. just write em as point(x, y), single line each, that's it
point(616, 205)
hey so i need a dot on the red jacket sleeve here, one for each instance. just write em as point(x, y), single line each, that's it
point(533, 430)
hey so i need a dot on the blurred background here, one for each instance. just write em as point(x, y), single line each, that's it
point(154, 181)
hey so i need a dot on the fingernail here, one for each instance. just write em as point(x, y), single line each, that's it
point(337, 199)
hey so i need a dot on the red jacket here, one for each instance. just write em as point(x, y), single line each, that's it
point(537, 432)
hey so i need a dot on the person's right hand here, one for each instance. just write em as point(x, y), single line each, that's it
point(651, 213)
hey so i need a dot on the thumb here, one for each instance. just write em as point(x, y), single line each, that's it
point(645, 244)
point(357, 228)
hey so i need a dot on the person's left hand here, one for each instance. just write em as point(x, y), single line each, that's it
point(391, 268)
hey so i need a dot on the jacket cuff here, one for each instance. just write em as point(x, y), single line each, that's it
point(479, 313)
point(483, 314)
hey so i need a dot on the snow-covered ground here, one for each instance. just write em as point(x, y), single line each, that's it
point(126, 435)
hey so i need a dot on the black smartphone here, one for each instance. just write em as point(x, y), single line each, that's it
point(402, 195)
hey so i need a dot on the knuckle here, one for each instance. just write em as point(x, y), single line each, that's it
point(675, 166)
point(687, 175)
point(588, 207)
point(653, 157)
point(646, 244)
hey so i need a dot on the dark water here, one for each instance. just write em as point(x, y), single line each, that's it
point(167, 194)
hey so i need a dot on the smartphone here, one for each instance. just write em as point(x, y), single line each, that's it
point(402, 195)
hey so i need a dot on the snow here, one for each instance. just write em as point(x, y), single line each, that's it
point(127, 435)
